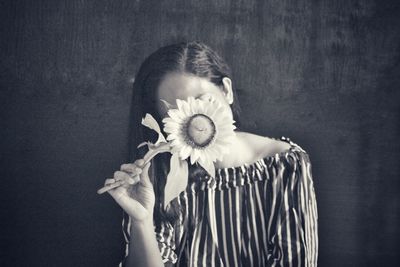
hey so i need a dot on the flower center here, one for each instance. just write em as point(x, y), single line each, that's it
point(200, 130)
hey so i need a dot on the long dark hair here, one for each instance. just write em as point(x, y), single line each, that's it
point(188, 57)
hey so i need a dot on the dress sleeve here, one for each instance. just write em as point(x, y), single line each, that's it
point(293, 231)
point(165, 235)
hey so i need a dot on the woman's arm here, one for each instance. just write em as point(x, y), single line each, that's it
point(143, 248)
point(164, 233)
point(137, 199)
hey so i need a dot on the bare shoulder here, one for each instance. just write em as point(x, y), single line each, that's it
point(263, 146)
point(249, 147)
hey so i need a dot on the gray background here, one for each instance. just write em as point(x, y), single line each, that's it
point(323, 73)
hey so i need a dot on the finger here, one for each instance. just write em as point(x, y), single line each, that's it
point(127, 179)
point(145, 179)
point(131, 181)
point(109, 181)
point(110, 186)
point(131, 168)
point(139, 163)
point(134, 180)
point(119, 175)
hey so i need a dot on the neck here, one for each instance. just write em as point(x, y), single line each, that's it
point(239, 152)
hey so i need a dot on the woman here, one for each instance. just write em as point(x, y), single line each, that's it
point(258, 210)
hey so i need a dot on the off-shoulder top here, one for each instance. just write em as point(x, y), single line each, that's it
point(258, 214)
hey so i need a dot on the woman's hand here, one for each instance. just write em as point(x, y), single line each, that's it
point(136, 195)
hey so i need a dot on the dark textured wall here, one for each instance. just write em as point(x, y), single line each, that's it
point(324, 73)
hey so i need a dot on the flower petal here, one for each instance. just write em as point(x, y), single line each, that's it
point(172, 136)
point(168, 120)
point(176, 115)
point(185, 152)
point(195, 156)
point(180, 103)
point(169, 128)
point(186, 108)
point(177, 143)
point(208, 166)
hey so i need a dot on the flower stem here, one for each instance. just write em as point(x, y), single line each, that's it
point(163, 147)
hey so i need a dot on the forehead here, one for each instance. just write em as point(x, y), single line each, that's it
point(178, 85)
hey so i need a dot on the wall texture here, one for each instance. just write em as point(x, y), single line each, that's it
point(324, 73)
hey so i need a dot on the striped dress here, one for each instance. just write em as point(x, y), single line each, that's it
point(258, 214)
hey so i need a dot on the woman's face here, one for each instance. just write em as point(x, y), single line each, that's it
point(178, 85)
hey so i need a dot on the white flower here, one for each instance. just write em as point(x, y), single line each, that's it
point(200, 129)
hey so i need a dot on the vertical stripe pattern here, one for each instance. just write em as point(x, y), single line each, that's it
point(259, 214)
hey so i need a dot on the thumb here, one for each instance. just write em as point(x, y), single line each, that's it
point(144, 177)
